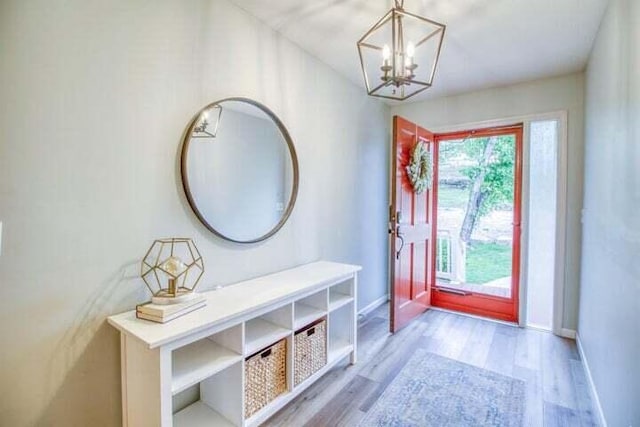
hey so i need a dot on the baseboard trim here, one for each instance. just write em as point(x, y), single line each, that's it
point(592, 385)
point(568, 333)
point(535, 327)
point(377, 303)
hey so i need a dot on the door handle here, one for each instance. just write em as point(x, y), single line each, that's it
point(399, 236)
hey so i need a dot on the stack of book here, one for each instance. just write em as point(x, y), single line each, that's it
point(163, 313)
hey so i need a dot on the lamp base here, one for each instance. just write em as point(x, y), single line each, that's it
point(163, 297)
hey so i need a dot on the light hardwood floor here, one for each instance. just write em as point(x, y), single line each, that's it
point(556, 392)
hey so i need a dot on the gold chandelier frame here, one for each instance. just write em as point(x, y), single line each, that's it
point(400, 80)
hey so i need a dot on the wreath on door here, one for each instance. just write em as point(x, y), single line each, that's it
point(420, 169)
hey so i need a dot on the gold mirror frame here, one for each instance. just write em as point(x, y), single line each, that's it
point(292, 153)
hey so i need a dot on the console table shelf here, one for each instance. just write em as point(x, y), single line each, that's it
point(200, 415)
point(195, 362)
point(305, 314)
point(201, 356)
point(337, 300)
point(261, 333)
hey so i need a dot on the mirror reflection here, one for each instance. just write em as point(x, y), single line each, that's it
point(239, 170)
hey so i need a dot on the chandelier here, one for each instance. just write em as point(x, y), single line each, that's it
point(399, 54)
point(202, 129)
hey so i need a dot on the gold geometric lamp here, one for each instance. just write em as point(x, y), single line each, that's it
point(171, 270)
point(399, 54)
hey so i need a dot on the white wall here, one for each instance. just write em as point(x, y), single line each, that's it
point(94, 99)
point(542, 96)
point(609, 326)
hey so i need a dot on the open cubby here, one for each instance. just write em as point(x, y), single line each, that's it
point(262, 331)
point(218, 404)
point(309, 309)
point(341, 294)
point(194, 362)
point(200, 414)
point(341, 332)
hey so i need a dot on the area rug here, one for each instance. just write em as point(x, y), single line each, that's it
point(436, 391)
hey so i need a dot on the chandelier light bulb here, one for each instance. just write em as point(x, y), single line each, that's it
point(411, 50)
point(386, 52)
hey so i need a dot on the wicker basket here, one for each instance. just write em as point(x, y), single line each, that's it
point(265, 377)
point(310, 344)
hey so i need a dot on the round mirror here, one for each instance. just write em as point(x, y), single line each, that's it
point(239, 170)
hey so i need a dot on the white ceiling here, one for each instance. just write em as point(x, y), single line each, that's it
point(488, 43)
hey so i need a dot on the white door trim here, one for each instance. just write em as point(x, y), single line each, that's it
point(560, 269)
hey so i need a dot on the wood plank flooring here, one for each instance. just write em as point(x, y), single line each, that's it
point(556, 390)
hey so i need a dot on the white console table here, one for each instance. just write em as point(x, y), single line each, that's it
point(207, 348)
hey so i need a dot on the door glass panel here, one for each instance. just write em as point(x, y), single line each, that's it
point(475, 214)
point(543, 166)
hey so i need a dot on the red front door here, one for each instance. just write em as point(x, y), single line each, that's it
point(411, 251)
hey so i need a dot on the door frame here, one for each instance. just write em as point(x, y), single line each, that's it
point(495, 307)
point(561, 260)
